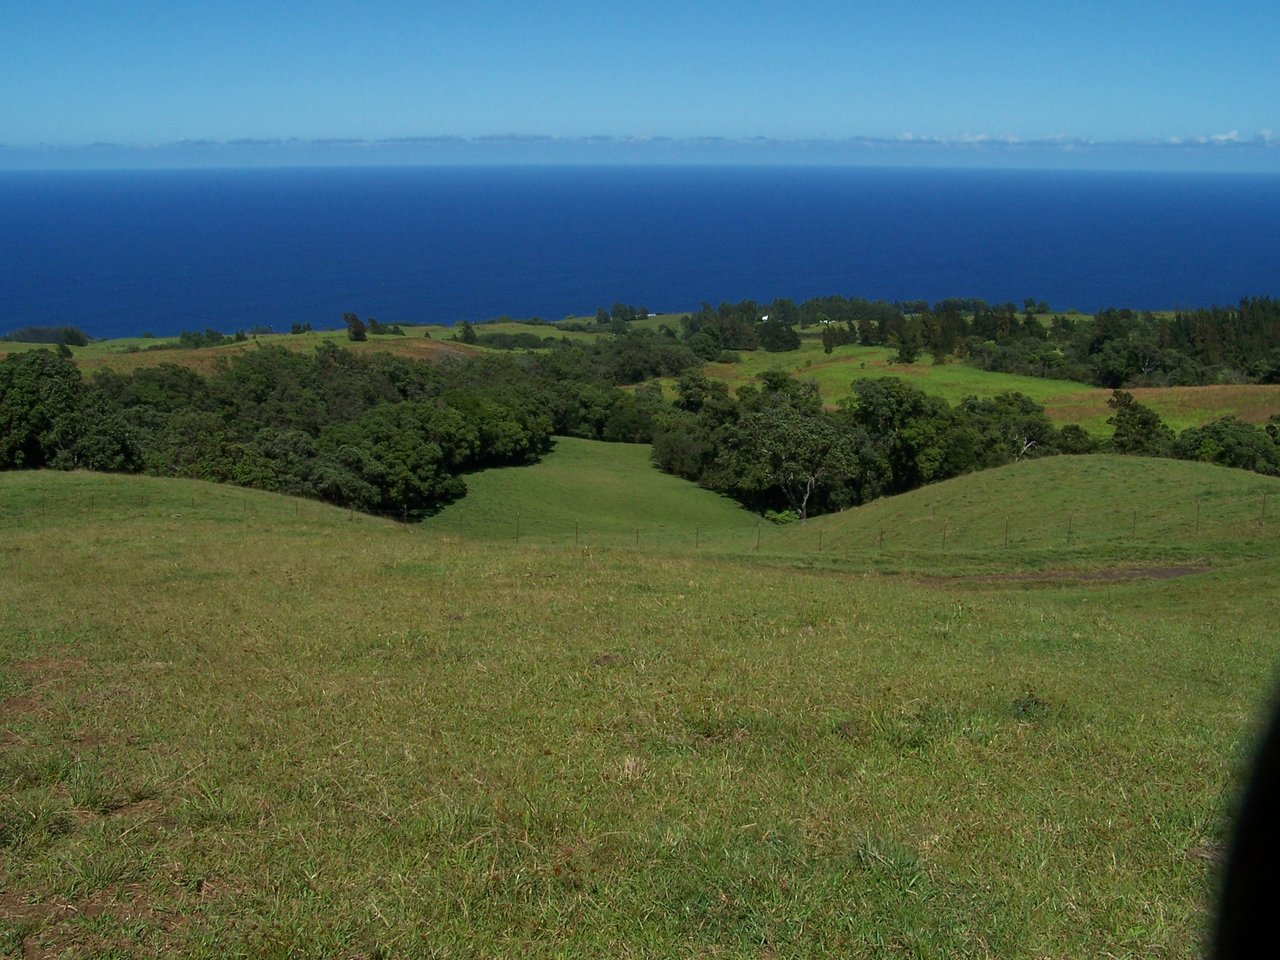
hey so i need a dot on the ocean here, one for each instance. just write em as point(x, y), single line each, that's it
point(128, 252)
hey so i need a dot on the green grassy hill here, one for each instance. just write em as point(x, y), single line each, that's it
point(235, 724)
point(1070, 512)
point(597, 493)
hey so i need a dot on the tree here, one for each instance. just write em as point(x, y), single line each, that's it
point(468, 332)
point(40, 394)
point(920, 437)
point(909, 342)
point(407, 454)
point(777, 337)
point(1011, 426)
point(828, 339)
point(1231, 443)
point(355, 327)
point(1138, 429)
point(780, 449)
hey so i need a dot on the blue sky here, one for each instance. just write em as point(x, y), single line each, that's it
point(1086, 83)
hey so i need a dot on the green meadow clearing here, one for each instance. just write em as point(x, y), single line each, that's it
point(1065, 401)
point(236, 724)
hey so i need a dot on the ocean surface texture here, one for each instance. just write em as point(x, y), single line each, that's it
point(124, 253)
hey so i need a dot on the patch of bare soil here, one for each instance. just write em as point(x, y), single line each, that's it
point(21, 706)
point(49, 666)
point(1107, 575)
point(53, 932)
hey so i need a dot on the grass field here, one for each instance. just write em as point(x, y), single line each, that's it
point(126, 355)
point(235, 724)
point(1065, 401)
point(426, 342)
point(592, 493)
point(1057, 513)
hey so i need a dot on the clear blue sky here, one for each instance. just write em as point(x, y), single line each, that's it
point(963, 73)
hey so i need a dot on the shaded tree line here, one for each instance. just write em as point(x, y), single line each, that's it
point(378, 433)
point(66, 336)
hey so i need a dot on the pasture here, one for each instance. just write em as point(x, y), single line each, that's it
point(235, 724)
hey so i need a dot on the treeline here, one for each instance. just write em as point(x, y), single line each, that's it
point(1128, 348)
point(1114, 348)
point(777, 450)
point(377, 432)
point(66, 336)
point(712, 331)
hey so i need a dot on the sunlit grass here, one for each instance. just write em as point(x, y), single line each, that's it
point(1065, 401)
point(240, 725)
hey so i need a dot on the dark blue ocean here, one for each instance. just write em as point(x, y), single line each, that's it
point(120, 253)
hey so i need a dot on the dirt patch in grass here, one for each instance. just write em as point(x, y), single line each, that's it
point(21, 706)
point(49, 667)
point(51, 925)
point(1108, 575)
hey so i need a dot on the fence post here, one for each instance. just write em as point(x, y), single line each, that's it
point(575, 534)
point(1133, 532)
point(819, 541)
point(697, 537)
point(517, 528)
point(637, 537)
point(757, 536)
point(1070, 517)
point(882, 538)
point(944, 535)
point(1197, 518)
point(1006, 531)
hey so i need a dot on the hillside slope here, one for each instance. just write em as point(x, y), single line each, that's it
point(1076, 511)
point(601, 492)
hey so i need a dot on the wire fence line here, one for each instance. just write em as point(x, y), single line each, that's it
point(1201, 520)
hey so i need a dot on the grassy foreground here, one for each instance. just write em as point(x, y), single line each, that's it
point(235, 725)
